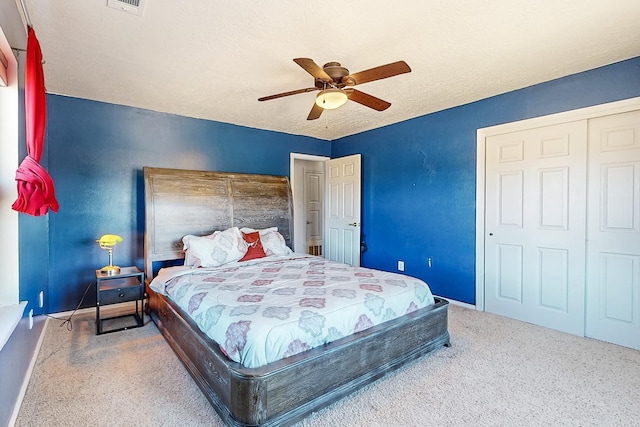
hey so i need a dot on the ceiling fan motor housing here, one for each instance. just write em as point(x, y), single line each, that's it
point(335, 71)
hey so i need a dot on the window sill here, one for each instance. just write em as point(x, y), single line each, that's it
point(10, 315)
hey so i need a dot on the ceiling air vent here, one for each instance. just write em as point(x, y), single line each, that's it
point(130, 6)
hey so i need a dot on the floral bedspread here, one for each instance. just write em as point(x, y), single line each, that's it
point(268, 309)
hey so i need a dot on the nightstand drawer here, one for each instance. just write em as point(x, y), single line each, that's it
point(118, 295)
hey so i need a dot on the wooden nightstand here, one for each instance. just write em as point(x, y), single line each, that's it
point(124, 287)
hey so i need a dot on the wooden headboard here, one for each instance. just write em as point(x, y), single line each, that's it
point(180, 202)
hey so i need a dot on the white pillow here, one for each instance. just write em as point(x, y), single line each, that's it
point(190, 258)
point(219, 248)
point(273, 242)
point(263, 231)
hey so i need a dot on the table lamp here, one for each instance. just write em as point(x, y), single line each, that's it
point(108, 241)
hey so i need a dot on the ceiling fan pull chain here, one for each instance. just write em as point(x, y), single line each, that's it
point(326, 114)
point(324, 94)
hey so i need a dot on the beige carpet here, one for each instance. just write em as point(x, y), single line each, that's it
point(499, 372)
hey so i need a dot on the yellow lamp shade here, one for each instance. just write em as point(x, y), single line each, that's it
point(108, 241)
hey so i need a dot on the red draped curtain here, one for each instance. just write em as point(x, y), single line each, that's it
point(36, 194)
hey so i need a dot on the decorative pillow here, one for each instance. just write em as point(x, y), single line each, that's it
point(219, 248)
point(273, 242)
point(254, 249)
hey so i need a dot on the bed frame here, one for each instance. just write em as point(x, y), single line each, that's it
point(180, 202)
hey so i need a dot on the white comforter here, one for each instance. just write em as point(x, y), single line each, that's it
point(271, 308)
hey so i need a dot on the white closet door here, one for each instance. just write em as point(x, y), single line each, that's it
point(613, 248)
point(535, 225)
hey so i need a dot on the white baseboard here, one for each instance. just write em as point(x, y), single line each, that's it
point(460, 303)
point(63, 315)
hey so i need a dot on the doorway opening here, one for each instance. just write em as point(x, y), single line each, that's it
point(307, 187)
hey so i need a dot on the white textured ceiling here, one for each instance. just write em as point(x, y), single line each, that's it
point(213, 59)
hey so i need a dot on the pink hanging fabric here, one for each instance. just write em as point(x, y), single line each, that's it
point(36, 194)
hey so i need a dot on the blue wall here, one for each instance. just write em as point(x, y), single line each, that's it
point(419, 176)
point(96, 153)
point(33, 232)
point(418, 180)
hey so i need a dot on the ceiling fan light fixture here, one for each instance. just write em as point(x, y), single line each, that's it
point(330, 99)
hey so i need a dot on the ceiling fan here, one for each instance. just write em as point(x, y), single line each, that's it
point(336, 85)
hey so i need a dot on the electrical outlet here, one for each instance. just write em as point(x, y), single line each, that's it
point(400, 265)
point(41, 299)
point(31, 319)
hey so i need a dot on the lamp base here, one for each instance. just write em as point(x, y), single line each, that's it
point(110, 270)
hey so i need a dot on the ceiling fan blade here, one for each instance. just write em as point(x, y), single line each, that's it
point(312, 68)
point(367, 100)
point(377, 73)
point(315, 112)
point(293, 92)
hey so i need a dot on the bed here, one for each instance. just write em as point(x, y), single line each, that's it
point(281, 392)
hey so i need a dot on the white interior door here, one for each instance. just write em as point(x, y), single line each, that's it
point(313, 194)
point(535, 225)
point(342, 209)
point(613, 248)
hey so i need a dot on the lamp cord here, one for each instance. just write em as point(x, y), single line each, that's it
point(68, 320)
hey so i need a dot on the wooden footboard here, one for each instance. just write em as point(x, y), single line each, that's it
point(285, 391)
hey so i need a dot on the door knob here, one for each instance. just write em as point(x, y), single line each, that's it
point(354, 224)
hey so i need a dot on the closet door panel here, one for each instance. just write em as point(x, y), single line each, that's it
point(613, 248)
point(535, 223)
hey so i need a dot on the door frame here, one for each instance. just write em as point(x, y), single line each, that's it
point(482, 133)
point(9, 153)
